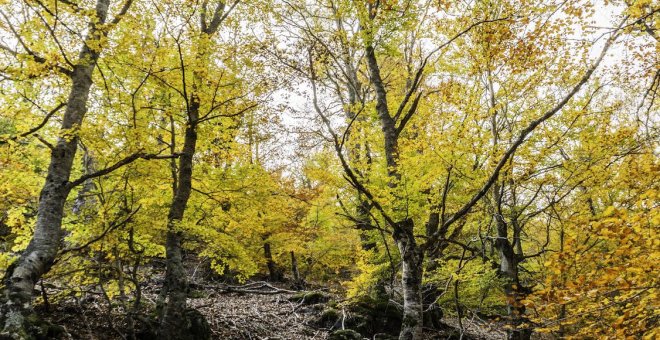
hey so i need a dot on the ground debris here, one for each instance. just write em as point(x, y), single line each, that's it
point(256, 316)
point(255, 311)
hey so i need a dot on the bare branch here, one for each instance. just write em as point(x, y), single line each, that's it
point(36, 128)
point(111, 227)
point(125, 161)
point(229, 115)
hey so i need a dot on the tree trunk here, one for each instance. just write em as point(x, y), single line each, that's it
point(84, 201)
point(508, 257)
point(38, 257)
point(358, 152)
point(412, 255)
point(432, 250)
point(411, 279)
point(298, 282)
point(173, 319)
point(176, 321)
point(364, 224)
point(512, 288)
point(273, 273)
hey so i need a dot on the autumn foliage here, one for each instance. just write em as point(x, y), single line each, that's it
point(493, 160)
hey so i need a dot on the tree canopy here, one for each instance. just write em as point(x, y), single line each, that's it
point(449, 160)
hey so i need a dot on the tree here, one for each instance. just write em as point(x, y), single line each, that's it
point(37, 258)
point(188, 51)
point(391, 39)
point(500, 146)
point(600, 282)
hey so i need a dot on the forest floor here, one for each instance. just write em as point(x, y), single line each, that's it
point(233, 315)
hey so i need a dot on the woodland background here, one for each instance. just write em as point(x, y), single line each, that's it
point(418, 163)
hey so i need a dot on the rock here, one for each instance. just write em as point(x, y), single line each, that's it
point(310, 298)
point(345, 334)
point(370, 316)
point(146, 328)
point(328, 318)
point(433, 318)
point(41, 329)
point(197, 294)
point(367, 317)
point(312, 309)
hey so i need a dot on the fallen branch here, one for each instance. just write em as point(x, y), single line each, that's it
point(262, 288)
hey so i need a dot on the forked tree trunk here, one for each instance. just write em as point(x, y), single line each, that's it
point(38, 257)
point(412, 255)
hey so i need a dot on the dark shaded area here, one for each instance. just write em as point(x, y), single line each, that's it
point(369, 317)
point(40, 329)
point(196, 327)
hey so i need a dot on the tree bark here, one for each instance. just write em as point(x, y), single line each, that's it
point(515, 293)
point(175, 323)
point(358, 152)
point(173, 319)
point(84, 201)
point(412, 255)
point(273, 273)
point(411, 279)
point(39, 256)
point(297, 280)
point(364, 224)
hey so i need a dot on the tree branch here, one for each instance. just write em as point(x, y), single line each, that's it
point(229, 115)
point(420, 71)
point(127, 160)
point(526, 132)
point(37, 58)
point(122, 12)
point(349, 173)
point(110, 228)
point(36, 128)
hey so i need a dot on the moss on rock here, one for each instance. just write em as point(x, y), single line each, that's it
point(310, 298)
